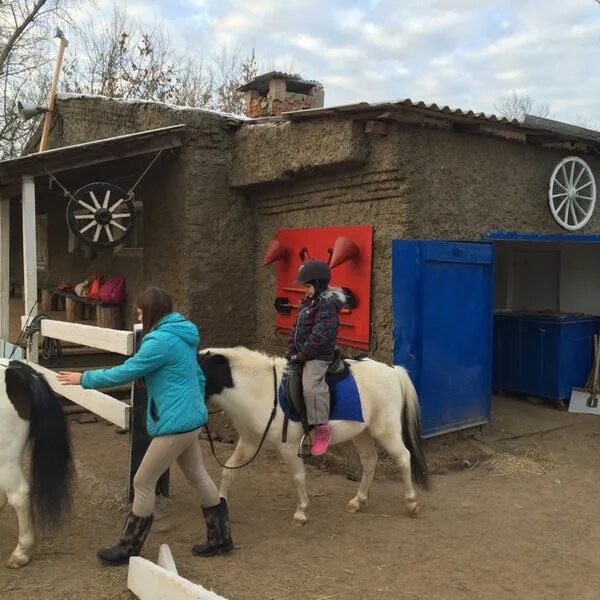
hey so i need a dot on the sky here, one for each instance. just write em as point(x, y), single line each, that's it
point(464, 53)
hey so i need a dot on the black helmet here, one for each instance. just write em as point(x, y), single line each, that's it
point(313, 270)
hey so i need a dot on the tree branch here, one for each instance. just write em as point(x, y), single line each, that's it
point(18, 32)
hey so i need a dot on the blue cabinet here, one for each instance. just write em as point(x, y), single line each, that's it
point(442, 305)
point(543, 355)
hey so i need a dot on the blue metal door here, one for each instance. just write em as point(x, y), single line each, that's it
point(443, 304)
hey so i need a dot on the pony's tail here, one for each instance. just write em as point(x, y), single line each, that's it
point(52, 470)
point(411, 429)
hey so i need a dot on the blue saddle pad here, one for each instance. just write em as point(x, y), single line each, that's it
point(345, 400)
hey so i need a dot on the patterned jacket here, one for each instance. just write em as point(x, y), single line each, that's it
point(316, 327)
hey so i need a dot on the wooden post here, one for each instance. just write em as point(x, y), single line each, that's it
point(30, 291)
point(74, 310)
point(4, 268)
point(46, 301)
point(108, 316)
point(139, 440)
point(48, 116)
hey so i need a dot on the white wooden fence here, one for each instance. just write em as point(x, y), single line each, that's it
point(112, 340)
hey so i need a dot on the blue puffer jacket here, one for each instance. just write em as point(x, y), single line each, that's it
point(167, 360)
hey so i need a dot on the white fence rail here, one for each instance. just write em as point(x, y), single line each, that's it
point(112, 340)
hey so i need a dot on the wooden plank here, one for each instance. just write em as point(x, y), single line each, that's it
point(151, 582)
point(100, 404)
point(30, 257)
point(113, 340)
point(4, 268)
point(166, 560)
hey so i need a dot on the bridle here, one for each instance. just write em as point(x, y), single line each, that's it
point(264, 435)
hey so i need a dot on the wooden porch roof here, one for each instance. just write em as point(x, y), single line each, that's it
point(89, 153)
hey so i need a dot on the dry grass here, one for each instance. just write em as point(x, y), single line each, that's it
point(532, 461)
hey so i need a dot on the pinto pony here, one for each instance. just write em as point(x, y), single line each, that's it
point(243, 382)
point(30, 412)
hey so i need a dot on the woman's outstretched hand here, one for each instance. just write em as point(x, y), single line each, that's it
point(68, 378)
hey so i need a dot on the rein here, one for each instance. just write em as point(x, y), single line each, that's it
point(264, 435)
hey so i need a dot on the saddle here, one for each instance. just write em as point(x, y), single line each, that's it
point(338, 369)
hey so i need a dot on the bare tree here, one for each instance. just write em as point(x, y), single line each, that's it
point(126, 59)
point(516, 106)
point(26, 51)
point(120, 58)
point(231, 69)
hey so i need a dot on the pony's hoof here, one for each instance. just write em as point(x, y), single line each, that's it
point(353, 506)
point(413, 510)
point(17, 563)
point(300, 520)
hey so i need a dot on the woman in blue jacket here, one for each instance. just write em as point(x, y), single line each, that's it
point(174, 381)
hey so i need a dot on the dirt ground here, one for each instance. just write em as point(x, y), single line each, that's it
point(522, 523)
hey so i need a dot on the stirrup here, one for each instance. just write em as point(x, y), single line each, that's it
point(304, 448)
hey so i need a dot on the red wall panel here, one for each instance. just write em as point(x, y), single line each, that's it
point(355, 274)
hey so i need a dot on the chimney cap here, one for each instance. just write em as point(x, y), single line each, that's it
point(294, 83)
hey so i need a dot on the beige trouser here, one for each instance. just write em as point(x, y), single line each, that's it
point(160, 456)
point(316, 392)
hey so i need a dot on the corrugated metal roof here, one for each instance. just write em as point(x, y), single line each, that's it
point(399, 104)
point(534, 129)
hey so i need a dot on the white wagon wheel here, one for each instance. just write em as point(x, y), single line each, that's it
point(101, 214)
point(572, 193)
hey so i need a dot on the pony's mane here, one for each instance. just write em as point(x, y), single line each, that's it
point(240, 356)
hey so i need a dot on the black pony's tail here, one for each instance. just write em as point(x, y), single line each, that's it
point(52, 469)
point(411, 429)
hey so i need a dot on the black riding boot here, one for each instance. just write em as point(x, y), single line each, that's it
point(130, 542)
point(218, 531)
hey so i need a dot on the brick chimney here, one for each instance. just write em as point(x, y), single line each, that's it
point(271, 94)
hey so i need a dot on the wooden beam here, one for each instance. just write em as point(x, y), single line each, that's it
point(466, 127)
point(542, 138)
point(112, 340)
point(378, 127)
point(30, 257)
point(48, 116)
point(151, 582)
point(4, 268)
point(100, 404)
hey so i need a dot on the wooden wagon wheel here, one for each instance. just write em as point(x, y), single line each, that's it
point(572, 193)
point(101, 214)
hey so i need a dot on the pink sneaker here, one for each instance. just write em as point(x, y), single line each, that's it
point(322, 438)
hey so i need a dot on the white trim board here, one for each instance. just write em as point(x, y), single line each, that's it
point(151, 582)
point(166, 560)
point(113, 340)
point(30, 288)
point(100, 404)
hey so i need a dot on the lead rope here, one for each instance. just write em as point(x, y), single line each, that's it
point(264, 435)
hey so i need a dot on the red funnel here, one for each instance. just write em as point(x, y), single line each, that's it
point(344, 250)
point(275, 251)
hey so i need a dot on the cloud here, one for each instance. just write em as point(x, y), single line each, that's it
point(465, 54)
